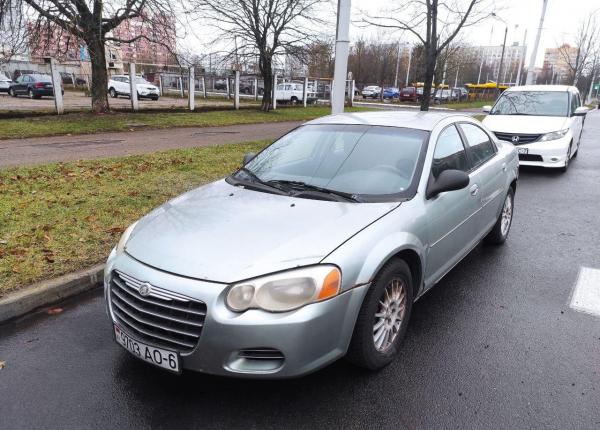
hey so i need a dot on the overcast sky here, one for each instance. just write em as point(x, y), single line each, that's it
point(562, 19)
point(560, 24)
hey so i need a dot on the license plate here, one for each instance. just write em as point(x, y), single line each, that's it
point(164, 358)
point(523, 150)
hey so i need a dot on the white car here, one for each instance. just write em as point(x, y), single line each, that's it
point(293, 93)
point(118, 85)
point(372, 91)
point(5, 82)
point(544, 122)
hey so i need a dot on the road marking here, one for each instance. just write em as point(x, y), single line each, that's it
point(586, 295)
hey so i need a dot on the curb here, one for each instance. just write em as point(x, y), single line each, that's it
point(47, 292)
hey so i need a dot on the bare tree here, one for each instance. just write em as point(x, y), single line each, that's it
point(13, 38)
point(435, 23)
point(263, 28)
point(93, 21)
point(579, 59)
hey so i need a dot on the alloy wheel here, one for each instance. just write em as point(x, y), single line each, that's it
point(389, 315)
point(507, 210)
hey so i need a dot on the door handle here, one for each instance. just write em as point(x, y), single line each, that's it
point(504, 167)
point(474, 190)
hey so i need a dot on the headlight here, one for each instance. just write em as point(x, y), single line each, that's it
point(287, 290)
point(125, 238)
point(553, 135)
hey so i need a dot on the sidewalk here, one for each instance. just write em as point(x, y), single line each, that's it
point(39, 150)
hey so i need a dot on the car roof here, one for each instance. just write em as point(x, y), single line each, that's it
point(553, 88)
point(417, 120)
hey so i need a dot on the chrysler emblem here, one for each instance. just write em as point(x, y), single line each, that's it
point(144, 289)
point(515, 139)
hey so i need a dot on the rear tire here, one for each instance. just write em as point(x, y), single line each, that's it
point(383, 318)
point(12, 93)
point(30, 93)
point(112, 93)
point(501, 229)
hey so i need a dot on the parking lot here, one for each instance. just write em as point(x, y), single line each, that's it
point(77, 100)
point(494, 345)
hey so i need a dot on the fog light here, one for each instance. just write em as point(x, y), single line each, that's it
point(554, 159)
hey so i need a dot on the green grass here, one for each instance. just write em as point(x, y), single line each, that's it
point(58, 218)
point(84, 123)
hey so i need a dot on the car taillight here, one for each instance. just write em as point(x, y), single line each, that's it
point(39, 85)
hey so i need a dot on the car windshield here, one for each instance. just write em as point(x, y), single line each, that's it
point(371, 88)
point(542, 103)
point(142, 81)
point(353, 159)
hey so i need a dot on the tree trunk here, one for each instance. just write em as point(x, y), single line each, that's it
point(429, 74)
point(266, 72)
point(99, 74)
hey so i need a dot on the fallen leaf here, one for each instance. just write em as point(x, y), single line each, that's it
point(54, 311)
point(2, 364)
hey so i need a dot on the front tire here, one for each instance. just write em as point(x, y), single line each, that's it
point(112, 93)
point(30, 94)
point(383, 318)
point(12, 93)
point(501, 229)
point(564, 168)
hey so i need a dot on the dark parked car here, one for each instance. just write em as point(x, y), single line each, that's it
point(247, 87)
point(391, 93)
point(409, 94)
point(220, 84)
point(34, 85)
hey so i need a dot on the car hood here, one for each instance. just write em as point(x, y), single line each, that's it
point(223, 233)
point(525, 124)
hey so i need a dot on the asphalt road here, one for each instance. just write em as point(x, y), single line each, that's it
point(494, 346)
point(19, 152)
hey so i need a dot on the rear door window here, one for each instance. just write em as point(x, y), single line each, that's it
point(481, 147)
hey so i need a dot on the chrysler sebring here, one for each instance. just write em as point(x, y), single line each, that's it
point(315, 249)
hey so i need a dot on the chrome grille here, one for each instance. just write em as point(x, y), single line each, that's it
point(523, 138)
point(160, 317)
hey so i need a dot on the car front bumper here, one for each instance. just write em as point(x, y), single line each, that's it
point(551, 154)
point(308, 338)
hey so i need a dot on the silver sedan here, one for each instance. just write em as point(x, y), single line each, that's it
point(315, 249)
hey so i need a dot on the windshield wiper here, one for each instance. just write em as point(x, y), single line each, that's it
point(258, 183)
point(303, 186)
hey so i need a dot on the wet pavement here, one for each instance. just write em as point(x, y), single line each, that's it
point(494, 346)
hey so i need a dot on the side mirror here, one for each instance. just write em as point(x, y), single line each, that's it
point(247, 157)
point(486, 109)
point(448, 180)
point(581, 111)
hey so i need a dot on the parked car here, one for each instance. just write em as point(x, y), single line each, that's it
point(220, 84)
point(316, 248)
point(443, 96)
point(371, 91)
point(410, 94)
point(35, 86)
point(5, 82)
point(544, 122)
point(247, 87)
point(460, 93)
point(293, 93)
point(118, 85)
point(69, 78)
point(391, 93)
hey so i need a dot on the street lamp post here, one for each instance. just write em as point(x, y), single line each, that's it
point(342, 43)
point(408, 68)
point(502, 56)
point(530, 69)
